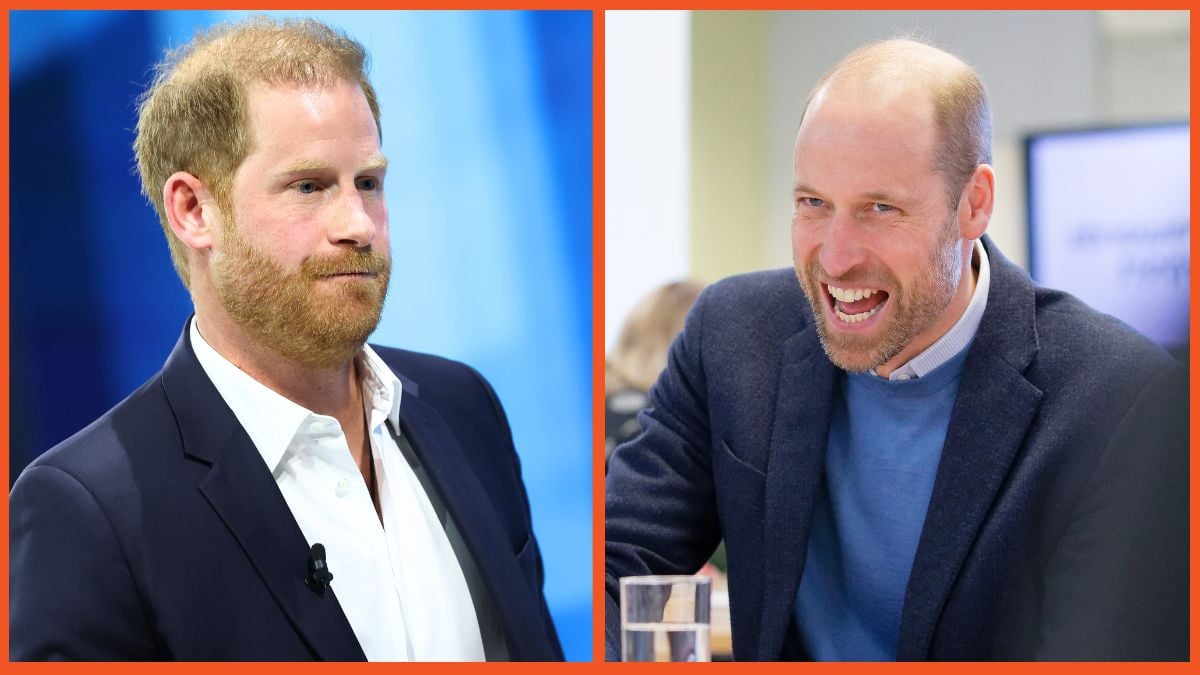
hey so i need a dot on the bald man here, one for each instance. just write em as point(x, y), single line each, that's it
point(910, 451)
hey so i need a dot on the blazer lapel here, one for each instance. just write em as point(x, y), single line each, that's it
point(795, 463)
point(242, 491)
point(480, 526)
point(993, 410)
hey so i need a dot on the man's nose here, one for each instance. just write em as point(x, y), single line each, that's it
point(352, 224)
point(842, 249)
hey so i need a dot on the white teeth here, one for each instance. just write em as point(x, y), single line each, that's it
point(850, 294)
point(855, 318)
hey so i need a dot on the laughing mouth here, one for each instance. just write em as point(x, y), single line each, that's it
point(853, 305)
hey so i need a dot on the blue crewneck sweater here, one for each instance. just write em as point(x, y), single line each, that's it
point(885, 441)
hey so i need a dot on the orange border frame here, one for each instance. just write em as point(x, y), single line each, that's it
point(598, 7)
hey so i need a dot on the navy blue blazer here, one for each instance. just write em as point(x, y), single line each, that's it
point(158, 533)
point(1058, 523)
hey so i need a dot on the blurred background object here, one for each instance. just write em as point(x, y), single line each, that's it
point(1130, 230)
point(640, 355)
point(487, 126)
point(630, 370)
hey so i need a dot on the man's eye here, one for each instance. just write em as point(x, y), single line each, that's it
point(882, 208)
point(811, 201)
point(368, 183)
point(305, 187)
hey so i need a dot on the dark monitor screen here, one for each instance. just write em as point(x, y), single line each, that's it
point(1109, 222)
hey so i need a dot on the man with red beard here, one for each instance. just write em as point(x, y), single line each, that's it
point(280, 490)
point(910, 451)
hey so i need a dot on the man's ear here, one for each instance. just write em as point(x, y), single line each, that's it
point(975, 205)
point(191, 210)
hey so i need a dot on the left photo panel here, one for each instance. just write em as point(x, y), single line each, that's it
point(300, 336)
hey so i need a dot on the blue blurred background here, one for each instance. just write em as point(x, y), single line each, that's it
point(487, 126)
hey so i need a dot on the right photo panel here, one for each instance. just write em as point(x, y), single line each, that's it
point(897, 335)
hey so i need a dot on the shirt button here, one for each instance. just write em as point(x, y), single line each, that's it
point(343, 486)
point(902, 378)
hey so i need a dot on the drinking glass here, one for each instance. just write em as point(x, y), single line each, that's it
point(665, 618)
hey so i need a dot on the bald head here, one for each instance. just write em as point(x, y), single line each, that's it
point(885, 76)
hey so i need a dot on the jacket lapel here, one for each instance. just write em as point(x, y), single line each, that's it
point(242, 491)
point(480, 526)
point(795, 464)
point(994, 408)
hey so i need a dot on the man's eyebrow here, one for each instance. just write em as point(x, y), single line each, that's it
point(801, 188)
point(373, 163)
point(880, 196)
point(304, 166)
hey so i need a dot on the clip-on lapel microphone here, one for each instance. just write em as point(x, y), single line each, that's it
point(319, 575)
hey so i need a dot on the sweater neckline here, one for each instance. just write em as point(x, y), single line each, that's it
point(930, 383)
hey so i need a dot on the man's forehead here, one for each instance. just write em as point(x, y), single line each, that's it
point(873, 100)
point(848, 145)
point(840, 116)
point(297, 128)
point(260, 92)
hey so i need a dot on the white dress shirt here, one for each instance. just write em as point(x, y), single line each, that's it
point(959, 335)
point(399, 583)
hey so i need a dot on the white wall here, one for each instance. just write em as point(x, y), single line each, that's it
point(646, 98)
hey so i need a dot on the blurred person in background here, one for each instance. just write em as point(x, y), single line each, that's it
point(640, 355)
point(911, 451)
point(629, 372)
point(280, 490)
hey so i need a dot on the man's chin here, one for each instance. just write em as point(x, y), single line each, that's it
point(324, 352)
point(330, 336)
point(852, 353)
point(348, 329)
point(851, 361)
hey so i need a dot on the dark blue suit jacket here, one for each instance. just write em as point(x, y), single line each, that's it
point(158, 532)
point(1058, 523)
